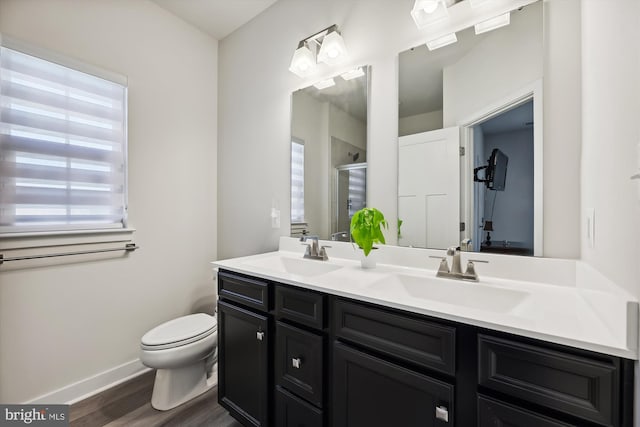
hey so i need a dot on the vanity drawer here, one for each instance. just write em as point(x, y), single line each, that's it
point(418, 341)
point(493, 413)
point(299, 362)
point(300, 306)
point(579, 385)
point(294, 412)
point(251, 292)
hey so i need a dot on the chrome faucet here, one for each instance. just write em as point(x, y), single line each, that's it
point(313, 250)
point(456, 269)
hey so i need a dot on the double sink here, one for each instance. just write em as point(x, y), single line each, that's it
point(483, 296)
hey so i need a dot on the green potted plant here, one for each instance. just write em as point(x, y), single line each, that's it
point(366, 230)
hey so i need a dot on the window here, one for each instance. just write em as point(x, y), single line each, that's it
point(62, 147)
point(297, 181)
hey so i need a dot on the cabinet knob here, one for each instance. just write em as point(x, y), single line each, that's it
point(442, 413)
point(259, 335)
point(296, 362)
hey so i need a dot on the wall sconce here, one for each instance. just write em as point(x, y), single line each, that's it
point(324, 46)
point(427, 12)
point(478, 15)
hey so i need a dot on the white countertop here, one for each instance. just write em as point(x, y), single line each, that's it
point(597, 318)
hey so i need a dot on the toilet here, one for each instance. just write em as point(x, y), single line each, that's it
point(183, 351)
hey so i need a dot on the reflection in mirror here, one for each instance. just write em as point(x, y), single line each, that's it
point(329, 156)
point(470, 140)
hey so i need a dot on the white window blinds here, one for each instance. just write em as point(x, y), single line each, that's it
point(297, 181)
point(62, 147)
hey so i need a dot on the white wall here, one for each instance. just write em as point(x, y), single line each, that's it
point(562, 128)
point(505, 61)
point(311, 124)
point(611, 134)
point(64, 323)
point(420, 123)
point(255, 111)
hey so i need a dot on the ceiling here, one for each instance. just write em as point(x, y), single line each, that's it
point(218, 18)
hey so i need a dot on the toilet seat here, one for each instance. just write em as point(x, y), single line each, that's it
point(178, 332)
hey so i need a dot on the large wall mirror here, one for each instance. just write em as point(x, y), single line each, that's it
point(470, 140)
point(329, 155)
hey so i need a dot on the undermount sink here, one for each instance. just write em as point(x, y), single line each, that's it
point(297, 266)
point(471, 295)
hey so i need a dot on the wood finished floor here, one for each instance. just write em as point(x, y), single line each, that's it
point(129, 405)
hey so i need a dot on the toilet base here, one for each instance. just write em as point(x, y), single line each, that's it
point(173, 387)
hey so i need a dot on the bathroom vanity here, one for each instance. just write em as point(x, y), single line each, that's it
point(317, 343)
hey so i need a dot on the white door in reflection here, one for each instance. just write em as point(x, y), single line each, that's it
point(429, 189)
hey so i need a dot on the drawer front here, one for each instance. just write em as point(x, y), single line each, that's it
point(492, 413)
point(301, 306)
point(294, 412)
point(418, 341)
point(253, 293)
point(576, 385)
point(299, 362)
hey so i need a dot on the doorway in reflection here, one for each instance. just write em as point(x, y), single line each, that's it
point(503, 156)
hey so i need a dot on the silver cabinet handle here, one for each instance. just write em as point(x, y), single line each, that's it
point(442, 413)
point(259, 335)
point(296, 362)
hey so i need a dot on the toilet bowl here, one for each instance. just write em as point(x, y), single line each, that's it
point(183, 351)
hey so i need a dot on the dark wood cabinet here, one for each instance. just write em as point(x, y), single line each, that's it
point(585, 386)
point(292, 357)
point(299, 362)
point(369, 391)
point(493, 413)
point(244, 350)
point(413, 340)
point(292, 411)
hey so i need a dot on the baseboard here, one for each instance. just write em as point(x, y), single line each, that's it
point(83, 389)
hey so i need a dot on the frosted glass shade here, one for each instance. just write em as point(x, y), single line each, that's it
point(333, 49)
point(303, 62)
point(426, 12)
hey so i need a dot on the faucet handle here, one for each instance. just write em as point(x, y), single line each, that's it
point(443, 268)
point(323, 253)
point(307, 251)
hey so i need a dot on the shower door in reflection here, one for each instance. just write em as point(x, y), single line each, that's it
point(350, 196)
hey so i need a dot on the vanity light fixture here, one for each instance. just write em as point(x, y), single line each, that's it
point(323, 84)
point(353, 74)
point(493, 23)
point(332, 51)
point(442, 41)
point(303, 61)
point(324, 46)
point(426, 12)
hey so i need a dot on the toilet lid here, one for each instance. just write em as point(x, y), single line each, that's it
point(184, 328)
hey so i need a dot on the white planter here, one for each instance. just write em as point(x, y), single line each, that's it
point(368, 261)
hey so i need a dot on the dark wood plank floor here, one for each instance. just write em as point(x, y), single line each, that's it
point(129, 404)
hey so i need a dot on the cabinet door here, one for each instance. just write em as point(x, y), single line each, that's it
point(243, 348)
point(294, 412)
point(368, 391)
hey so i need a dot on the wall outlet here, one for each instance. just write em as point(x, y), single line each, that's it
point(591, 227)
